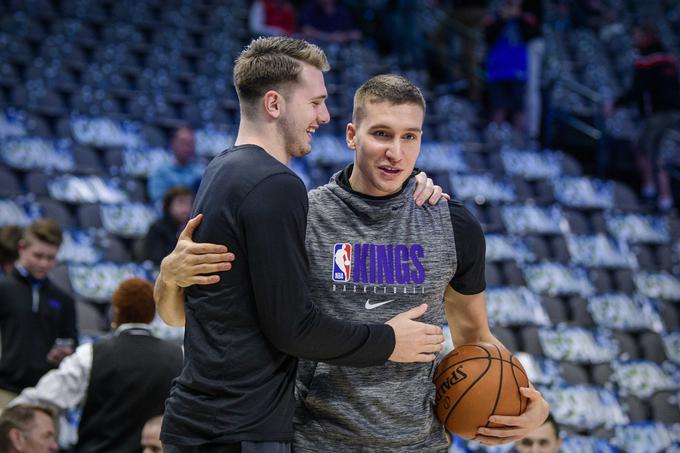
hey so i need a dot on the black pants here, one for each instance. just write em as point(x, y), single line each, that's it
point(242, 447)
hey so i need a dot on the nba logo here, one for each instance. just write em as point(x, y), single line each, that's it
point(342, 262)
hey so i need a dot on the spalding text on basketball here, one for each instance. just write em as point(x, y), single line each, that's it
point(456, 376)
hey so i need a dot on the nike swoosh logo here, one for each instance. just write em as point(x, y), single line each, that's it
point(370, 306)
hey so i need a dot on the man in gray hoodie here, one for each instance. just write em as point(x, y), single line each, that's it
point(372, 253)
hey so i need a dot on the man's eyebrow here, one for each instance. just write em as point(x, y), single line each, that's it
point(321, 96)
point(384, 126)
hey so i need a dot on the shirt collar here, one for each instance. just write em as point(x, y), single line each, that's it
point(133, 325)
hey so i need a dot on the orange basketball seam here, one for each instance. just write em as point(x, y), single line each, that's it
point(500, 384)
point(446, 420)
point(437, 376)
point(512, 369)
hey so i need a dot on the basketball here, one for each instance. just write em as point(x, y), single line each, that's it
point(475, 381)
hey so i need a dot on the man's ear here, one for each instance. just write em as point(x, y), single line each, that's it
point(350, 136)
point(273, 103)
point(17, 439)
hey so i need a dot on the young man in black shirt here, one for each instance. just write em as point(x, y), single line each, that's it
point(34, 313)
point(243, 333)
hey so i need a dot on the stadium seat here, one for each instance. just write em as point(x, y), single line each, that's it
point(38, 126)
point(513, 275)
point(9, 183)
point(90, 320)
point(506, 336)
point(579, 312)
point(665, 408)
point(555, 309)
point(645, 257)
point(36, 183)
point(652, 347)
point(543, 192)
point(635, 408)
point(664, 257)
point(57, 211)
point(628, 348)
point(670, 314)
point(86, 160)
point(570, 166)
point(522, 189)
point(136, 190)
point(601, 280)
point(529, 340)
point(601, 374)
point(560, 251)
point(624, 281)
point(573, 373)
point(539, 247)
point(492, 275)
point(625, 198)
point(89, 216)
point(115, 250)
point(59, 276)
point(578, 222)
point(598, 223)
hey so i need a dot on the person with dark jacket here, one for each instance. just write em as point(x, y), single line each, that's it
point(656, 93)
point(162, 235)
point(121, 381)
point(37, 320)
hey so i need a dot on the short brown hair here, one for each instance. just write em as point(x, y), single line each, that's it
point(44, 230)
point(172, 193)
point(391, 88)
point(133, 301)
point(19, 417)
point(270, 64)
point(9, 243)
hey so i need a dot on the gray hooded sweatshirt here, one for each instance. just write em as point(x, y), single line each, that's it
point(371, 259)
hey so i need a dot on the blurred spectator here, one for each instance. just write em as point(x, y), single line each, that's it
point(544, 439)
point(162, 235)
point(328, 21)
point(9, 244)
point(28, 429)
point(121, 381)
point(593, 14)
point(507, 33)
point(656, 92)
point(272, 18)
point(184, 172)
point(535, 51)
point(470, 13)
point(37, 319)
point(151, 436)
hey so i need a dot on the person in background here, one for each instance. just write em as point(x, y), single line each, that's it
point(656, 92)
point(9, 244)
point(28, 429)
point(37, 319)
point(151, 436)
point(162, 235)
point(272, 18)
point(120, 381)
point(328, 21)
point(544, 439)
point(535, 52)
point(184, 171)
point(507, 33)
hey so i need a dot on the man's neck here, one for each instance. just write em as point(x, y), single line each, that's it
point(263, 135)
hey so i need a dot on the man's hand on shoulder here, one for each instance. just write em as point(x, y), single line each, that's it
point(426, 190)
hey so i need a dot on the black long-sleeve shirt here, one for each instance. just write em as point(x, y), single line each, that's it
point(243, 334)
point(33, 314)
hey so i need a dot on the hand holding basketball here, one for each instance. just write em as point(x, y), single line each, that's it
point(516, 427)
point(483, 394)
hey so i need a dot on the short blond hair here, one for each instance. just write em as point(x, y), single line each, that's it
point(391, 88)
point(271, 64)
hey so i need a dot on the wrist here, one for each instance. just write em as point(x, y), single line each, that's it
point(167, 279)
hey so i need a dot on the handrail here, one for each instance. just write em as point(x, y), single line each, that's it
point(581, 89)
point(584, 127)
